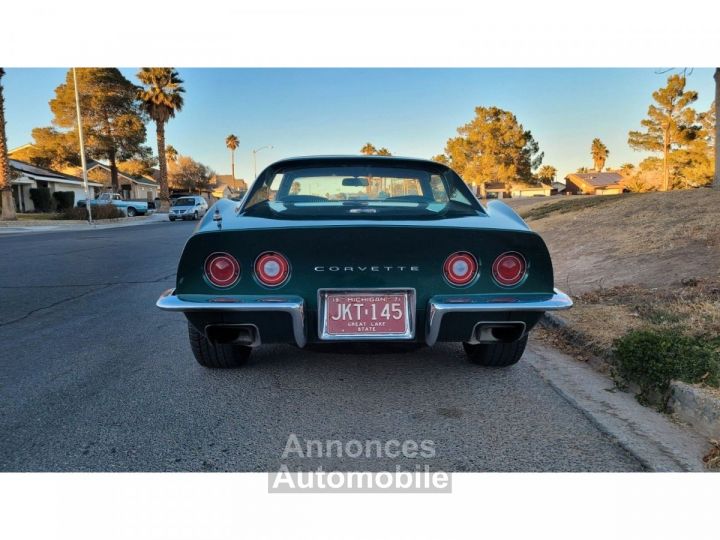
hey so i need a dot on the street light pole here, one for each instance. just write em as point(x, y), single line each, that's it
point(82, 148)
point(255, 158)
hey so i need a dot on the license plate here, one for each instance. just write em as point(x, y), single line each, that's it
point(366, 315)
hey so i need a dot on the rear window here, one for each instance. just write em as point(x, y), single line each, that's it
point(185, 201)
point(358, 190)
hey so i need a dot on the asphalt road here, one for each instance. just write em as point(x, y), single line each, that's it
point(94, 378)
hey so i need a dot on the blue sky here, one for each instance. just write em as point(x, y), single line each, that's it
point(412, 112)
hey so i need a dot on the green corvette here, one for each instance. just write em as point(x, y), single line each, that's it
point(328, 249)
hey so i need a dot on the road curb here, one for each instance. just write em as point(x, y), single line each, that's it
point(653, 439)
point(691, 404)
point(696, 406)
point(23, 223)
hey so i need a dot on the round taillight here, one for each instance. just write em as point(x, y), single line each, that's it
point(460, 268)
point(272, 269)
point(222, 270)
point(509, 269)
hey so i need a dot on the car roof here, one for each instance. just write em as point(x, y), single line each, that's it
point(397, 161)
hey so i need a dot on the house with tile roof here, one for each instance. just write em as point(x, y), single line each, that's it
point(594, 183)
point(131, 187)
point(27, 176)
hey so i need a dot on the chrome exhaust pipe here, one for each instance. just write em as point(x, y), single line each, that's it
point(497, 332)
point(236, 334)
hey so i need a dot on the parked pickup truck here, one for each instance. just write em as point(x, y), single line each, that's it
point(130, 208)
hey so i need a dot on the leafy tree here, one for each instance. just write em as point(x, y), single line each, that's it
point(8, 205)
point(691, 165)
point(582, 170)
point(113, 126)
point(441, 158)
point(190, 175)
point(494, 146)
point(51, 148)
point(170, 152)
point(368, 149)
point(232, 142)
point(670, 123)
point(716, 113)
point(599, 154)
point(140, 166)
point(161, 98)
point(647, 176)
point(547, 174)
point(626, 168)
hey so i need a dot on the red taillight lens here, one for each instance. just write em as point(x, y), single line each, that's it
point(272, 269)
point(460, 268)
point(222, 270)
point(509, 269)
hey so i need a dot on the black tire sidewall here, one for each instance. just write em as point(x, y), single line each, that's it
point(496, 354)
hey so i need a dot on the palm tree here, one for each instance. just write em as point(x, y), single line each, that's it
point(232, 142)
point(8, 205)
point(161, 98)
point(627, 168)
point(368, 149)
point(171, 153)
point(599, 154)
point(547, 174)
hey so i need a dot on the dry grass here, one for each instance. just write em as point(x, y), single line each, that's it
point(35, 216)
point(650, 239)
point(567, 205)
point(645, 261)
point(692, 308)
point(712, 459)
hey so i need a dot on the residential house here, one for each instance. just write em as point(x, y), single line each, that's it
point(235, 184)
point(29, 176)
point(557, 188)
point(531, 191)
point(131, 187)
point(594, 183)
point(496, 190)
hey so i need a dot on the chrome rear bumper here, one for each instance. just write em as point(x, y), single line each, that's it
point(438, 306)
point(293, 305)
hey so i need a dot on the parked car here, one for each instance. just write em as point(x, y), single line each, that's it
point(129, 208)
point(189, 207)
point(359, 249)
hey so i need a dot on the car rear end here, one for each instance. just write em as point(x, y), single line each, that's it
point(363, 249)
point(365, 282)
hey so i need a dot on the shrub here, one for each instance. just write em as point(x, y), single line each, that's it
point(41, 199)
point(64, 199)
point(652, 359)
point(105, 211)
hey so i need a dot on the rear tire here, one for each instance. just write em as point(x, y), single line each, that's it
point(215, 355)
point(496, 354)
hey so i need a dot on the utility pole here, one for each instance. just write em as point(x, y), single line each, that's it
point(255, 158)
point(82, 148)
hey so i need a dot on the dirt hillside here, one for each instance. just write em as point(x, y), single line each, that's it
point(651, 240)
